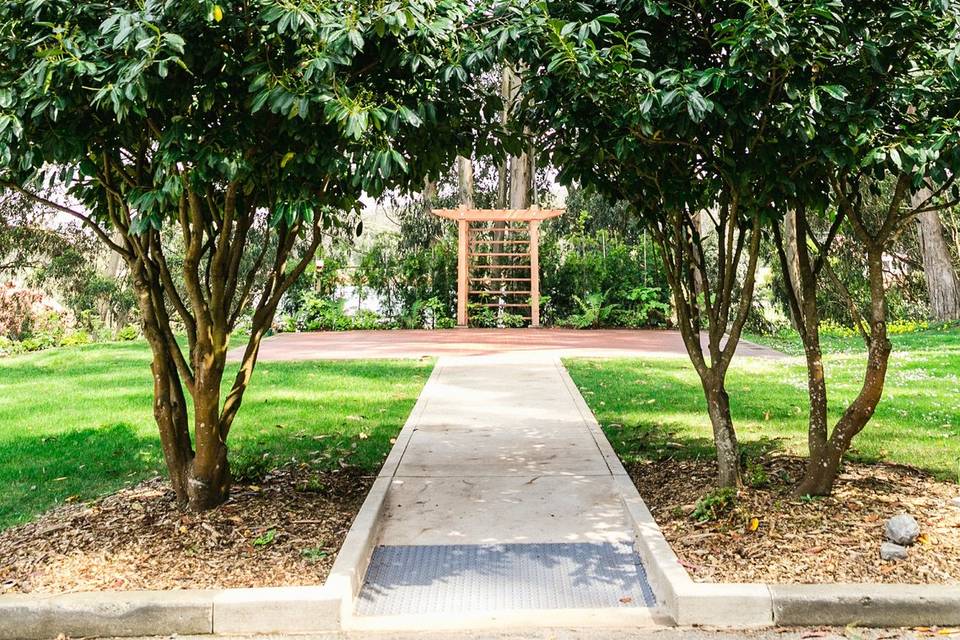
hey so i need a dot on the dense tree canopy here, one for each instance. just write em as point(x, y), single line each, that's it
point(218, 119)
point(715, 119)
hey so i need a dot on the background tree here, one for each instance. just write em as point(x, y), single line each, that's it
point(943, 282)
point(214, 120)
point(26, 239)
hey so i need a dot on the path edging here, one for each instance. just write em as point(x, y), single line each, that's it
point(350, 567)
point(214, 611)
point(746, 605)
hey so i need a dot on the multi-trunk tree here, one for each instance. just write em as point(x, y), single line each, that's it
point(882, 133)
point(673, 109)
point(716, 119)
point(247, 130)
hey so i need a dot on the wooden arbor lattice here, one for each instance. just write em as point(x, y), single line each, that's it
point(498, 258)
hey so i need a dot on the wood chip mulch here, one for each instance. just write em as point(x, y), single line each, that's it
point(284, 531)
point(792, 540)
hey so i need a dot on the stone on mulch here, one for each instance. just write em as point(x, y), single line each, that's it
point(771, 536)
point(902, 530)
point(892, 551)
point(285, 530)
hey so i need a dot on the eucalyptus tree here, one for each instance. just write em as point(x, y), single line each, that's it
point(212, 119)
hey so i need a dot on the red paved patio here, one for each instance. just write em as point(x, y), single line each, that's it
point(401, 344)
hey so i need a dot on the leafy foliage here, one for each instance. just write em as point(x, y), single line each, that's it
point(250, 128)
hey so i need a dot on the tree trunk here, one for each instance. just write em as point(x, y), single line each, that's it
point(792, 266)
point(465, 182)
point(826, 455)
point(503, 172)
point(681, 244)
point(724, 434)
point(943, 285)
point(208, 481)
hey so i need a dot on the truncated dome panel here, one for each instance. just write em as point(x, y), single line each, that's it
point(462, 578)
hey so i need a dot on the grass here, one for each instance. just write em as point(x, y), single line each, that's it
point(76, 423)
point(654, 408)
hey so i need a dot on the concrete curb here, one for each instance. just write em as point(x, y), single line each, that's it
point(135, 613)
point(606, 449)
point(350, 567)
point(743, 605)
point(866, 605)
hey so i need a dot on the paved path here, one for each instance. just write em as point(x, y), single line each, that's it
point(466, 342)
point(503, 495)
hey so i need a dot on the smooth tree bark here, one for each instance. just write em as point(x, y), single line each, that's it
point(875, 227)
point(715, 294)
point(465, 182)
point(943, 284)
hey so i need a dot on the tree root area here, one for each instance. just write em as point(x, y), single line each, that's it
point(768, 535)
point(283, 531)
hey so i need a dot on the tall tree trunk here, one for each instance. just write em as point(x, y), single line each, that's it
point(503, 171)
point(465, 182)
point(943, 285)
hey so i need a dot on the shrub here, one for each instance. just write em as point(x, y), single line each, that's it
point(128, 333)
point(17, 311)
point(75, 338)
point(715, 505)
point(757, 476)
point(594, 312)
point(366, 319)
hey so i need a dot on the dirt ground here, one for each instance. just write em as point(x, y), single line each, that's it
point(770, 536)
point(284, 531)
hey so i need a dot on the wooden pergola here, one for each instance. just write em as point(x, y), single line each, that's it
point(498, 255)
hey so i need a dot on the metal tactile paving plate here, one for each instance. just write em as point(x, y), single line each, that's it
point(460, 578)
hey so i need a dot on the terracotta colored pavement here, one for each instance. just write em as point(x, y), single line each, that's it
point(403, 344)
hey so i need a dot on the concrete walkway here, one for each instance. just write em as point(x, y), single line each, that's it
point(503, 494)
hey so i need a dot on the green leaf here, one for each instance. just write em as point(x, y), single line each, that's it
point(835, 91)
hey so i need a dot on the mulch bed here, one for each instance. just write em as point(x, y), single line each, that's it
point(285, 531)
point(833, 539)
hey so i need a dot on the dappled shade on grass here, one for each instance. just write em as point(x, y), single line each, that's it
point(77, 423)
point(654, 408)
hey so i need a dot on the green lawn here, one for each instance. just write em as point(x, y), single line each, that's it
point(76, 423)
point(654, 408)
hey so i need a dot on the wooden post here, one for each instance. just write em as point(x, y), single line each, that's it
point(463, 271)
point(534, 273)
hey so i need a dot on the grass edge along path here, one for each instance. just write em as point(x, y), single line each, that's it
point(76, 423)
point(654, 408)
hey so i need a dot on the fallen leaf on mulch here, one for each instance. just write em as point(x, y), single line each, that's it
point(833, 539)
point(285, 532)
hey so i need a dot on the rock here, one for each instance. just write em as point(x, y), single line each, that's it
point(903, 530)
point(890, 551)
point(956, 502)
